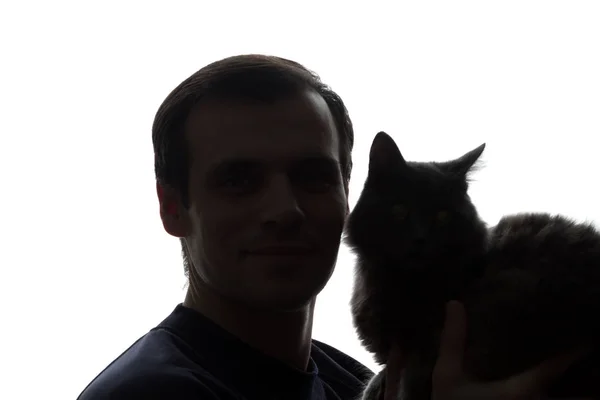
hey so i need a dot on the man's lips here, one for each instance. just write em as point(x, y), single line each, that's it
point(282, 250)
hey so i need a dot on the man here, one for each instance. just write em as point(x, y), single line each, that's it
point(253, 161)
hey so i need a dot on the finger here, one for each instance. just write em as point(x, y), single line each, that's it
point(452, 345)
point(394, 368)
point(538, 378)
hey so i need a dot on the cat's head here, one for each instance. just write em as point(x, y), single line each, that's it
point(412, 208)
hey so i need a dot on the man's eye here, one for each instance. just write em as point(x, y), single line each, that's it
point(239, 183)
point(317, 180)
point(236, 181)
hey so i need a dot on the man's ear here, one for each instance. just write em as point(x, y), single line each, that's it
point(173, 214)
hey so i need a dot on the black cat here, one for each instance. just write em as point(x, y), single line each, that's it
point(530, 285)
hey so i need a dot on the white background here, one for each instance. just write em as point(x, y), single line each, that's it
point(85, 265)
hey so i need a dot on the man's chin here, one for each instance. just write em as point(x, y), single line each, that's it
point(282, 290)
point(283, 298)
point(287, 302)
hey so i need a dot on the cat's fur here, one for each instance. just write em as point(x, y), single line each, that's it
point(530, 285)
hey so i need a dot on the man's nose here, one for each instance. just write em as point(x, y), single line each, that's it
point(281, 208)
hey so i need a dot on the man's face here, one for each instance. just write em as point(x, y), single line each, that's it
point(267, 199)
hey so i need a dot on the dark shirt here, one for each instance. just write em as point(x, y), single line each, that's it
point(188, 356)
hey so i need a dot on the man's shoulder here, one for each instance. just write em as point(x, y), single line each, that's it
point(344, 361)
point(154, 367)
point(339, 369)
point(188, 358)
point(160, 385)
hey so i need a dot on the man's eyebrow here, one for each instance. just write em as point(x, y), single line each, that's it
point(319, 160)
point(234, 163)
point(253, 163)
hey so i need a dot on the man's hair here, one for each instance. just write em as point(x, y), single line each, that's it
point(256, 77)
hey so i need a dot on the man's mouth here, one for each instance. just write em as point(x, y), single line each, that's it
point(282, 250)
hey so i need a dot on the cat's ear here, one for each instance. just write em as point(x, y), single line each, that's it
point(465, 164)
point(385, 154)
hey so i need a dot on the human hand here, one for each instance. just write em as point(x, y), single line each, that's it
point(450, 382)
point(393, 373)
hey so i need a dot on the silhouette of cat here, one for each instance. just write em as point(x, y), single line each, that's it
point(530, 285)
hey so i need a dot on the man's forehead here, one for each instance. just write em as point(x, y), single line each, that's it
point(298, 126)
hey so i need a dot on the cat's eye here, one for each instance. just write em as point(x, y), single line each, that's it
point(399, 211)
point(442, 216)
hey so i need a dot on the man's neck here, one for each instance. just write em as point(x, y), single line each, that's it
point(285, 336)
